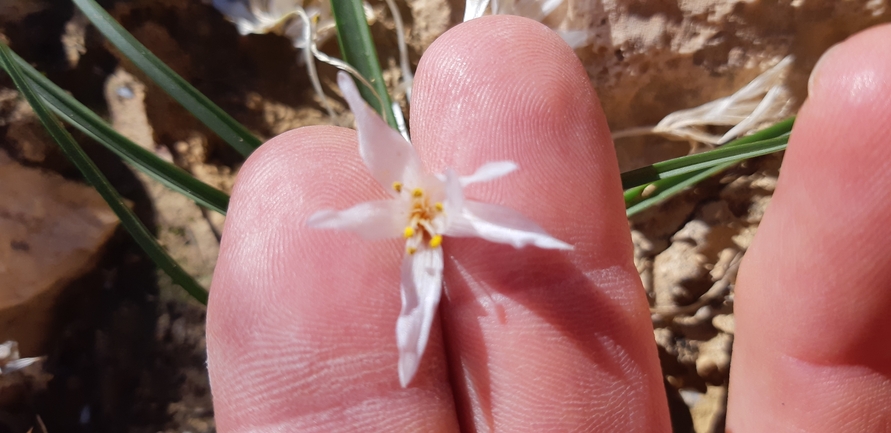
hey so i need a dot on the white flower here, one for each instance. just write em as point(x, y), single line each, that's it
point(423, 208)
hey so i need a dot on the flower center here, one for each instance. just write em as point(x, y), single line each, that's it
point(422, 225)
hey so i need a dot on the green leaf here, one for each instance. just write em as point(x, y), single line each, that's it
point(358, 50)
point(698, 162)
point(640, 197)
point(202, 108)
point(79, 116)
point(92, 174)
point(636, 202)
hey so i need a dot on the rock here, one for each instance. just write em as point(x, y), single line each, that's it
point(709, 409)
point(74, 38)
point(26, 139)
point(724, 323)
point(430, 18)
point(51, 232)
point(678, 274)
point(725, 261)
point(714, 357)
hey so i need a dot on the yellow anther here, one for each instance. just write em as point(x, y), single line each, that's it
point(436, 241)
point(417, 192)
point(411, 250)
point(438, 206)
point(409, 232)
point(397, 186)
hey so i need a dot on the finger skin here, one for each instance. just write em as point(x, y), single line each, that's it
point(300, 323)
point(538, 340)
point(813, 346)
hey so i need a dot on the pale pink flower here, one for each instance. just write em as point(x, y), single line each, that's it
point(423, 208)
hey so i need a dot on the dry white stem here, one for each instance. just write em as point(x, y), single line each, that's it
point(309, 37)
point(756, 102)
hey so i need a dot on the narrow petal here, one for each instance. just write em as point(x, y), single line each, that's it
point(474, 9)
point(372, 219)
point(386, 154)
point(421, 290)
point(454, 191)
point(500, 224)
point(240, 15)
point(489, 171)
point(575, 38)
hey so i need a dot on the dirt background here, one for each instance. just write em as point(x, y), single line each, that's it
point(126, 348)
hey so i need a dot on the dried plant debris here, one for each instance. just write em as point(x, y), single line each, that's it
point(19, 376)
point(307, 26)
point(537, 10)
point(304, 25)
point(279, 17)
point(764, 99)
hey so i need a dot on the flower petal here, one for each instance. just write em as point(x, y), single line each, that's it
point(372, 219)
point(489, 171)
point(421, 290)
point(500, 224)
point(454, 193)
point(388, 156)
point(474, 9)
point(251, 17)
point(239, 14)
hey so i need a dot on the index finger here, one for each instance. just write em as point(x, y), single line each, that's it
point(538, 340)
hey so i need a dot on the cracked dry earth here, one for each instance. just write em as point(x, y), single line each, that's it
point(126, 348)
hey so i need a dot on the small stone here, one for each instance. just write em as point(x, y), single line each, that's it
point(673, 270)
point(714, 356)
point(709, 410)
point(51, 231)
point(724, 323)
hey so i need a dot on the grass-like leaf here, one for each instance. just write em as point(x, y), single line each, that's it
point(202, 108)
point(79, 116)
point(700, 161)
point(92, 174)
point(660, 190)
point(358, 50)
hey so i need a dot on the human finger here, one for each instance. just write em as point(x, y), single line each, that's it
point(538, 340)
point(300, 321)
point(812, 351)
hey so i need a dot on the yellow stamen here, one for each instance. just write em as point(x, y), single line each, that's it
point(397, 186)
point(417, 192)
point(436, 241)
point(438, 206)
point(411, 250)
point(409, 232)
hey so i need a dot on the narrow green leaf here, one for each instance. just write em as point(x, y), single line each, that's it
point(773, 131)
point(79, 116)
point(700, 161)
point(202, 108)
point(662, 189)
point(358, 50)
point(77, 156)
